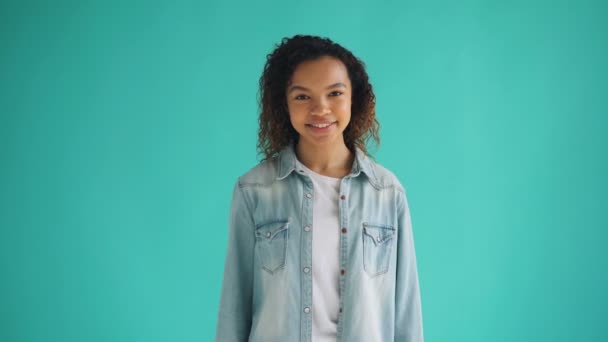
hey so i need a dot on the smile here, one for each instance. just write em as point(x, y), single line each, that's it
point(321, 125)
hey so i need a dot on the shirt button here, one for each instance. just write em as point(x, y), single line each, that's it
point(344, 230)
point(269, 234)
point(306, 269)
point(308, 195)
point(307, 228)
point(307, 309)
point(342, 272)
point(342, 197)
point(378, 239)
point(340, 309)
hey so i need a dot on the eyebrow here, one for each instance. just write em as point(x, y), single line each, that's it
point(297, 87)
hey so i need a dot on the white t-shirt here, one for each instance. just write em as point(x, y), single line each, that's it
point(325, 256)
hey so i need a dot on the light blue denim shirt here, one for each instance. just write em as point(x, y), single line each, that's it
point(267, 287)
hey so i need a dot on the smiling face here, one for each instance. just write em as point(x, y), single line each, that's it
point(319, 101)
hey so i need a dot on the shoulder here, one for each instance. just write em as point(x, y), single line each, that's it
point(385, 178)
point(263, 174)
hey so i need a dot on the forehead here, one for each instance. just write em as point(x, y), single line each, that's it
point(322, 71)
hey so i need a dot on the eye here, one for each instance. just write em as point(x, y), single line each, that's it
point(336, 93)
point(301, 97)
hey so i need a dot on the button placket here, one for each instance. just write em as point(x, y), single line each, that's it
point(342, 209)
point(306, 257)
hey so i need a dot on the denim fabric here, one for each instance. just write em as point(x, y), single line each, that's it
point(267, 294)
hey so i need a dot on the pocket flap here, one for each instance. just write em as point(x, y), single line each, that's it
point(269, 230)
point(378, 233)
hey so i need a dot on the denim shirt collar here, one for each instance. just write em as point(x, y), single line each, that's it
point(287, 163)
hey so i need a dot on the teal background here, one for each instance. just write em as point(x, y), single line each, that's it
point(125, 124)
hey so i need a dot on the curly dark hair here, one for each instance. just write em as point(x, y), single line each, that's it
point(275, 130)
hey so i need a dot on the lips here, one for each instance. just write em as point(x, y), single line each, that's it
point(321, 128)
point(321, 124)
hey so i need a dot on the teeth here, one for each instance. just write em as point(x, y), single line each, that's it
point(321, 125)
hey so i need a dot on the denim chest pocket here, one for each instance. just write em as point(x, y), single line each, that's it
point(271, 244)
point(377, 246)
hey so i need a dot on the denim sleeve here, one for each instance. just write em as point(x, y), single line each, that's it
point(234, 319)
point(408, 311)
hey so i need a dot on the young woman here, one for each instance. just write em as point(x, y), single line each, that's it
point(320, 240)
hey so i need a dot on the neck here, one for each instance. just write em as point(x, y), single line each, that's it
point(333, 160)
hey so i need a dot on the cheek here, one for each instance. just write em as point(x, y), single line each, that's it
point(295, 116)
point(296, 110)
point(345, 107)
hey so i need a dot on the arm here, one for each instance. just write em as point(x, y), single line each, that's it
point(408, 312)
point(234, 319)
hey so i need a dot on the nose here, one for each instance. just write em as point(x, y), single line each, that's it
point(319, 107)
